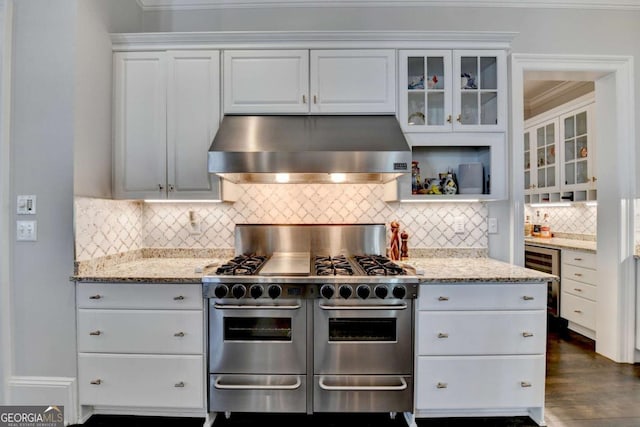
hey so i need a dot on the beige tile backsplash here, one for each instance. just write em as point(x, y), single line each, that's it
point(106, 227)
point(575, 219)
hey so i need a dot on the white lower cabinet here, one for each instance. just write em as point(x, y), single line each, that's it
point(480, 350)
point(578, 300)
point(141, 348)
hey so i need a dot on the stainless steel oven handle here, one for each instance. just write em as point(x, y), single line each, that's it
point(401, 386)
point(402, 306)
point(253, 307)
point(293, 386)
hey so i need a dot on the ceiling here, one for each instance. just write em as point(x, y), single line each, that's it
point(543, 95)
point(206, 4)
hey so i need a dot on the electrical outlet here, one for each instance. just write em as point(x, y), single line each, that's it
point(26, 205)
point(26, 231)
point(493, 225)
point(458, 225)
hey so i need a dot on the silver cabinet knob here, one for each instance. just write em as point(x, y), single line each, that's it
point(179, 385)
point(527, 334)
point(97, 296)
point(96, 382)
point(443, 335)
point(95, 333)
point(178, 298)
point(443, 298)
point(179, 334)
point(525, 384)
point(528, 298)
point(441, 385)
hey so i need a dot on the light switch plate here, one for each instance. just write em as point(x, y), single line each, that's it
point(458, 225)
point(26, 231)
point(26, 205)
point(493, 225)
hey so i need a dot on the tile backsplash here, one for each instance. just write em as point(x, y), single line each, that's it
point(574, 219)
point(105, 227)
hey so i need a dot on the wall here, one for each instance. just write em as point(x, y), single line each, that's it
point(107, 227)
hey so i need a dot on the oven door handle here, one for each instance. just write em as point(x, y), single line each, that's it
point(402, 306)
point(254, 307)
point(399, 387)
point(217, 384)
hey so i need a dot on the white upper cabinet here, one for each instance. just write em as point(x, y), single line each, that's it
point(542, 171)
point(459, 90)
point(343, 81)
point(166, 113)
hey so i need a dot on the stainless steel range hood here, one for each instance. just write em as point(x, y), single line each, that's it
point(267, 149)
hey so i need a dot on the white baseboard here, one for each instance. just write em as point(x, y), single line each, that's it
point(45, 391)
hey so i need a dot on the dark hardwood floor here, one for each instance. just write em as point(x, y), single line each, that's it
point(583, 389)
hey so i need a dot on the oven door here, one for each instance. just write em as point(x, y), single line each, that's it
point(361, 338)
point(257, 338)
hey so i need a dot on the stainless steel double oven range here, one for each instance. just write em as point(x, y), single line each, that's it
point(310, 318)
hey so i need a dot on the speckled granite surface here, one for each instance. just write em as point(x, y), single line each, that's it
point(473, 270)
point(182, 266)
point(561, 243)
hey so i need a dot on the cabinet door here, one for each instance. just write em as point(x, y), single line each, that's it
point(479, 94)
point(530, 177)
point(139, 125)
point(425, 90)
point(193, 115)
point(578, 149)
point(544, 156)
point(266, 81)
point(353, 81)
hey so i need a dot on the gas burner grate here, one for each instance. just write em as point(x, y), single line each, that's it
point(378, 265)
point(242, 265)
point(332, 266)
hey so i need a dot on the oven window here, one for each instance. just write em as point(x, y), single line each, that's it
point(257, 329)
point(375, 329)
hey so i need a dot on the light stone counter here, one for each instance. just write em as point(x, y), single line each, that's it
point(561, 243)
point(473, 270)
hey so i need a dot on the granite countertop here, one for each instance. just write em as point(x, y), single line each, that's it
point(562, 243)
point(191, 270)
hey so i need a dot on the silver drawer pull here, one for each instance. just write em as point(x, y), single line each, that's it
point(179, 385)
point(443, 298)
point(441, 385)
point(577, 289)
point(577, 311)
point(218, 383)
point(95, 333)
point(443, 335)
point(96, 382)
point(577, 259)
point(528, 298)
point(524, 384)
point(527, 334)
point(97, 296)
point(254, 306)
point(178, 334)
point(401, 386)
point(178, 298)
point(577, 274)
point(401, 306)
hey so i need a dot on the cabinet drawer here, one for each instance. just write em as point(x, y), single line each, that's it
point(578, 310)
point(140, 331)
point(481, 332)
point(141, 380)
point(530, 296)
point(139, 296)
point(583, 290)
point(480, 382)
point(580, 259)
point(579, 274)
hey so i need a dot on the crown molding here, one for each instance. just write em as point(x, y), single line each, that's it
point(313, 40)
point(173, 5)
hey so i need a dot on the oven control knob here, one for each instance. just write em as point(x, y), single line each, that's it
point(381, 291)
point(238, 291)
point(363, 291)
point(221, 291)
point(399, 292)
point(256, 291)
point(345, 291)
point(327, 291)
point(274, 291)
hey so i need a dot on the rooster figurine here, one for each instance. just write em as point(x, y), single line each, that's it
point(432, 83)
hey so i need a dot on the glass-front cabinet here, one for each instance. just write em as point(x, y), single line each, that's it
point(541, 171)
point(577, 165)
point(452, 90)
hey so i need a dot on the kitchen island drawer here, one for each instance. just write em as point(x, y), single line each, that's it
point(580, 274)
point(579, 258)
point(508, 296)
point(580, 289)
point(481, 332)
point(141, 380)
point(578, 310)
point(141, 331)
point(139, 296)
point(480, 382)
